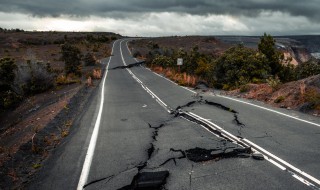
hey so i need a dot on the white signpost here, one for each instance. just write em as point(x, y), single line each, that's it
point(179, 62)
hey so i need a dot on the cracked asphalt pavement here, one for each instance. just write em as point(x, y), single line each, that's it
point(155, 134)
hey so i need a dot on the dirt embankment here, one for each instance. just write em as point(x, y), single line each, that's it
point(302, 95)
point(30, 131)
point(27, 142)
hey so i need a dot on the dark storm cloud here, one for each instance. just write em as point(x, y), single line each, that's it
point(120, 8)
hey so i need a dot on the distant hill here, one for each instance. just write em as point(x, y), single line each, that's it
point(301, 48)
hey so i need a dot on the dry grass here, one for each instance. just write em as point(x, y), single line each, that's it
point(65, 80)
point(96, 74)
point(181, 78)
point(312, 95)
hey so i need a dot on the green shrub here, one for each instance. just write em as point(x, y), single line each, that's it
point(313, 97)
point(72, 57)
point(274, 83)
point(244, 88)
point(163, 61)
point(279, 99)
point(307, 69)
point(238, 66)
point(33, 78)
point(9, 99)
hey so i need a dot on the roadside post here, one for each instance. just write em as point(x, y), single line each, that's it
point(179, 62)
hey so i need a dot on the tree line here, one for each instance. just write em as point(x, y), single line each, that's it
point(236, 67)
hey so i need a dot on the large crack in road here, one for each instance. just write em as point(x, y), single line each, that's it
point(129, 66)
point(156, 177)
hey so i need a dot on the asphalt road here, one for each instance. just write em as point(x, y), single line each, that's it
point(133, 135)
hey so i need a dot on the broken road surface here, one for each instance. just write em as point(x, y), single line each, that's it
point(150, 133)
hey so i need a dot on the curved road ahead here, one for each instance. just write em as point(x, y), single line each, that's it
point(142, 130)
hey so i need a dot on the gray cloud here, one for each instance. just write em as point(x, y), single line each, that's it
point(120, 8)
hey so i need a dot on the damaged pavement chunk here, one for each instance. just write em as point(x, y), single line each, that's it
point(148, 181)
point(201, 155)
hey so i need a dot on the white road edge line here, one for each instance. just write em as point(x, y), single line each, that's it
point(90, 152)
point(274, 111)
point(246, 141)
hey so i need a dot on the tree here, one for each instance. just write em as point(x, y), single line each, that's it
point(267, 47)
point(307, 69)
point(202, 67)
point(72, 58)
point(239, 65)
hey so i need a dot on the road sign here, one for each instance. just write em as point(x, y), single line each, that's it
point(179, 61)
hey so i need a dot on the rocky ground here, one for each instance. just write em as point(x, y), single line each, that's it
point(301, 95)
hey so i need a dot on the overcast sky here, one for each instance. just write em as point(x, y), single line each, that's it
point(165, 17)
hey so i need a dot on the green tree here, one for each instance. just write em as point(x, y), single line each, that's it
point(307, 69)
point(273, 57)
point(72, 58)
point(202, 67)
point(239, 65)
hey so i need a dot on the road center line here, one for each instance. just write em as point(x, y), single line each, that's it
point(93, 141)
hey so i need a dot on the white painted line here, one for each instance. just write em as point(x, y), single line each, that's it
point(153, 95)
point(274, 111)
point(275, 163)
point(295, 169)
point(164, 77)
point(128, 48)
point(188, 89)
point(92, 145)
point(302, 180)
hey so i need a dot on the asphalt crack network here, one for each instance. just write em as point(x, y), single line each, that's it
point(149, 180)
point(157, 180)
point(218, 105)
